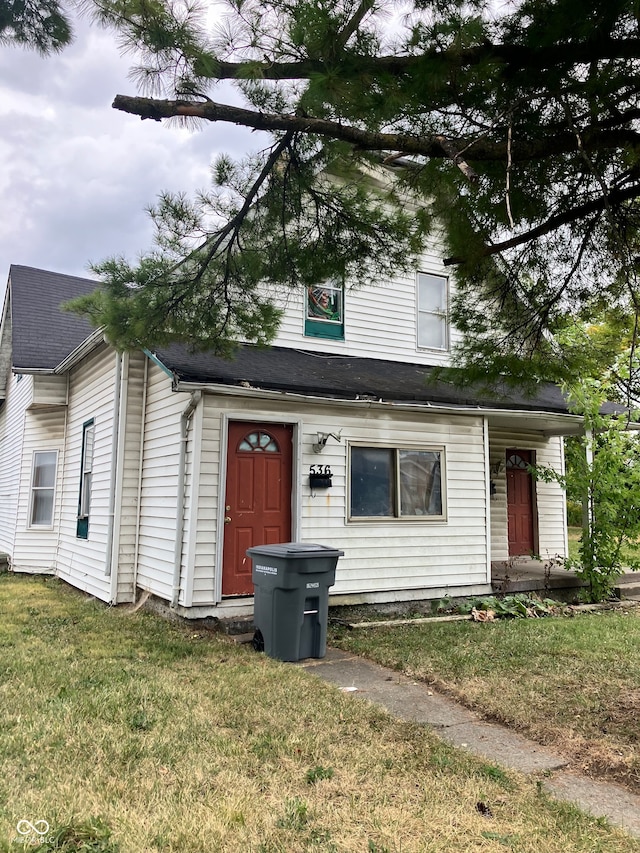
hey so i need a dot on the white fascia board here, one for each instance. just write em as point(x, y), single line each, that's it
point(82, 350)
point(549, 423)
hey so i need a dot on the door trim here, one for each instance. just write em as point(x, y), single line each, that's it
point(535, 528)
point(296, 461)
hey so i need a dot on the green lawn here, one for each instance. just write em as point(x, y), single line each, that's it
point(574, 546)
point(569, 681)
point(124, 732)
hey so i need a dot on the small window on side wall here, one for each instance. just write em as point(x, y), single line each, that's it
point(391, 482)
point(433, 311)
point(43, 482)
point(324, 317)
point(86, 472)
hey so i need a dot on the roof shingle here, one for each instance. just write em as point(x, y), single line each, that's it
point(43, 334)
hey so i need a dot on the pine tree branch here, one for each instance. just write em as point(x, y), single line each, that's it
point(231, 228)
point(354, 22)
point(514, 57)
point(597, 205)
point(475, 149)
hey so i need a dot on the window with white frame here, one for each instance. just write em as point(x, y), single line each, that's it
point(43, 482)
point(396, 482)
point(86, 473)
point(433, 311)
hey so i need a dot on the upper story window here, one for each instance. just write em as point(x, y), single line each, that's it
point(43, 481)
point(433, 311)
point(324, 316)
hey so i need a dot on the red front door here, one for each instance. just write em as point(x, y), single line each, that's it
point(520, 503)
point(257, 497)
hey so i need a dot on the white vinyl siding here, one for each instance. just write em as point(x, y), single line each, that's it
point(394, 556)
point(384, 560)
point(38, 430)
point(207, 504)
point(12, 425)
point(159, 496)
point(391, 556)
point(552, 505)
point(127, 514)
point(380, 318)
point(49, 391)
point(83, 562)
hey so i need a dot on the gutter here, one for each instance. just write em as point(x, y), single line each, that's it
point(185, 419)
point(88, 345)
point(382, 405)
point(143, 426)
point(114, 529)
point(123, 411)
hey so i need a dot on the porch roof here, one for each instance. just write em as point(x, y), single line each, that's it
point(349, 378)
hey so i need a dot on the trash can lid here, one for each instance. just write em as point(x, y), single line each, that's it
point(296, 549)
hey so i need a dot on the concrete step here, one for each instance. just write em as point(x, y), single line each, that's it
point(628, 589)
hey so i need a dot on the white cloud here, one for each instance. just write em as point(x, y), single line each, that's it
point(76, 175)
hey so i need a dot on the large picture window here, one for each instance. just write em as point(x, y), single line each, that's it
point(86, 472)
point(43, 482)
point(324, 316)
point(396, 483)
point(433, 311)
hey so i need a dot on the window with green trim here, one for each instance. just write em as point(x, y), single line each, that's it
point(325, 312)
point(86, 472)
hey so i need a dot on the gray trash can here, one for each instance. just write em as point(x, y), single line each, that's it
point(291, 601)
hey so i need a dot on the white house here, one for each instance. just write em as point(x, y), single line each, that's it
point(156, 471)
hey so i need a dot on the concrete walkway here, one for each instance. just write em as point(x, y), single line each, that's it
point(417, 702)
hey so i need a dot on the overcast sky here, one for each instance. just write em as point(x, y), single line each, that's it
point(76, 174)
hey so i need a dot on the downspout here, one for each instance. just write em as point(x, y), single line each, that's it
point(114, 464)
point(185, 419)
point(119, 479)
point(136, 546)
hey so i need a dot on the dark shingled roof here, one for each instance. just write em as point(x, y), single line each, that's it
point(43, 335)
point(284, 369)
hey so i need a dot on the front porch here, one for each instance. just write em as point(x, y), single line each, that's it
point(545, 577)
point(526, 574)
